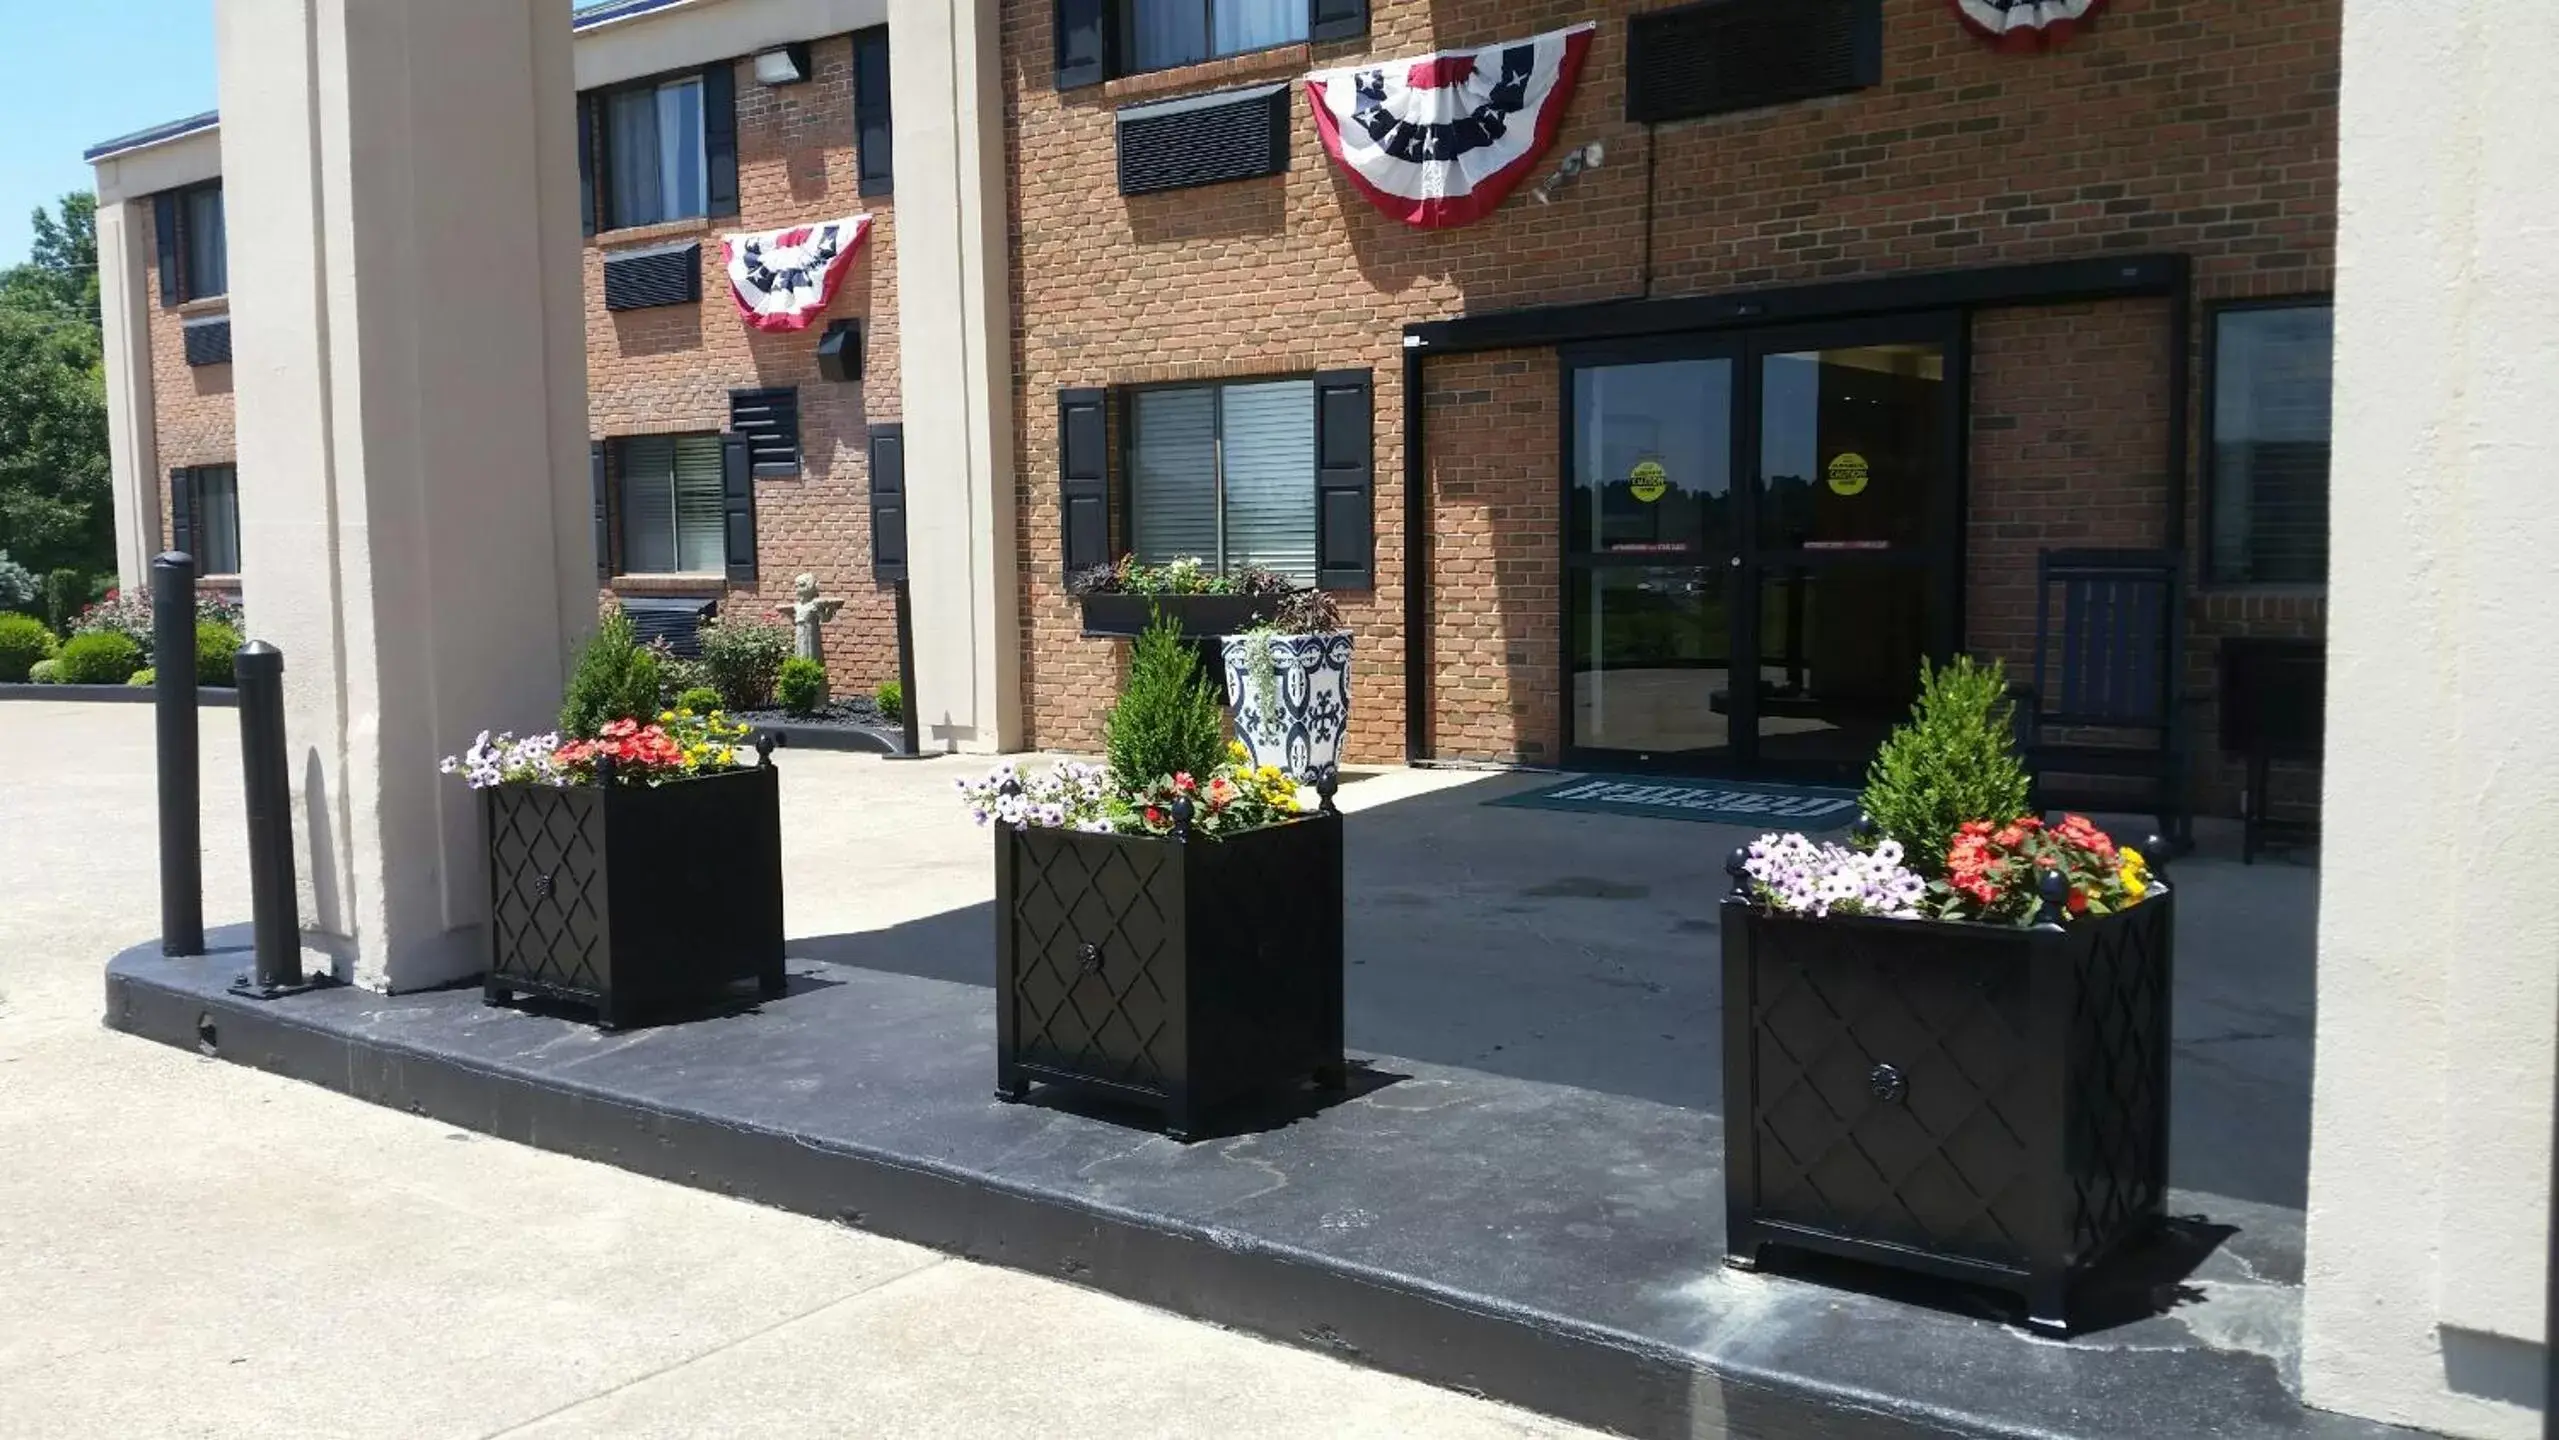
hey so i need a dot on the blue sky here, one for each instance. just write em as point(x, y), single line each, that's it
point(79, 74)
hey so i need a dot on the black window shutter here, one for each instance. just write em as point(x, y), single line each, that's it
point(1345, 480)
point(737, 504)
point(770, 421)
point(173, 285)
point(888, 503)
point(873, 136)
point(1336, 19)
point(719, 135)
point(586, 164)
point(1084, 42)
point(182, 511)
point(1084, 478)
point(603, 531)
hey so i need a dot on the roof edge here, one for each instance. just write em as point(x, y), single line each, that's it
point(157, 135)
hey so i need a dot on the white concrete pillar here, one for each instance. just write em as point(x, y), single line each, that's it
point(133, 440)
point(955, 372)
point(2438, 935)
point(401, 194)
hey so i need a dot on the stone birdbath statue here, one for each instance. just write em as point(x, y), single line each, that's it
point(808, 611)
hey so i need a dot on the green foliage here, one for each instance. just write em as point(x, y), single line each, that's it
point(217, 647)
point(1168, 720)
point(744, 658)
point(143, 679)
point(66, 591)
point(802, 686)
point(701, 700)
point(23, 642)
point(677, 676)
point(54, 503)
point(45, 672)
point(19, 588)
point(889, 698)
point(99, 658)
point(616, 679)
point(1956, 760)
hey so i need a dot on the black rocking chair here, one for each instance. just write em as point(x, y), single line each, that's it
point(2110, 631)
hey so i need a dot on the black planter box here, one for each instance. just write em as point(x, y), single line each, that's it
point(631, 898)
point(1176, 974)
point(1977, 1102)
point(1202, 617)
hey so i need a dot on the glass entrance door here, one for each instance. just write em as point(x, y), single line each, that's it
point(1775, 626)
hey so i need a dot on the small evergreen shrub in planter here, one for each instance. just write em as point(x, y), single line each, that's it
point(634, 868)
point(1965, 1076)
point(889, 698)
point(802, 686)
point(99, 657)
point(1169, 927)
point(24, 642)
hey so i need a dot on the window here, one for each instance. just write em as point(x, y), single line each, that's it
point(217, 519)
point(1164, 33)
point(672, 522)
point(195, 258)
point(1225, 473)
point(2268, 480)
point(659, 163)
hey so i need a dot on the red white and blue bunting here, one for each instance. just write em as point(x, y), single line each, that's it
point(2025, 25)
point(1440, 140)
point(783, 278)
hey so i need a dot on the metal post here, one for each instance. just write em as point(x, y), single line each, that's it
point(910, 732)
point(181, 813)
point(268, 783)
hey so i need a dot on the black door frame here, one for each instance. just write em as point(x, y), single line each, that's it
point(1746, 347)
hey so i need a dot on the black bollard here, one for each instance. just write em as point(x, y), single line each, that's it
point(181, 814)
point(268, 781)
point(906, 711)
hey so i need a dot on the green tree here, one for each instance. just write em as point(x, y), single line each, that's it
point(55, 506)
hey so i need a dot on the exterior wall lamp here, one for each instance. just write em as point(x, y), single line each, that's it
point(786, 66)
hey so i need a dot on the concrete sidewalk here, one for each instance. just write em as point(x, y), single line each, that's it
point(195, 1249)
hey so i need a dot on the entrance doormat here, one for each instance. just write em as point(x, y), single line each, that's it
point(1808, 808)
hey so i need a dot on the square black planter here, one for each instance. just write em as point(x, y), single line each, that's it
point(1173, 973)
point(631, 898)
point(1978, 1102)
point(1202, 617)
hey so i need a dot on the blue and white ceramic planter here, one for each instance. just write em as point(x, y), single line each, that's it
point(1292, 714)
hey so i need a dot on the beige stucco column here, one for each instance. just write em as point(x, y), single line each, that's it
point(401, 193)
point(124, 300)
point(956, 373)
point(2438, 935)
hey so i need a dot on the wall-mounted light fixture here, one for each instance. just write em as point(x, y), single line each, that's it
point(839, 352)
point(786, 66)
point(1586, 158)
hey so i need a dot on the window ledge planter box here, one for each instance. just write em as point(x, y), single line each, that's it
point(1977, 1102)
point(630, 898)
point(1202, 617)
point(1173, 973)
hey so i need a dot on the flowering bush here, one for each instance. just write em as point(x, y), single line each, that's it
point(1073, 795)
point(681, 745)
point(1791, 874)
point(1994, 871)
point(130, 617)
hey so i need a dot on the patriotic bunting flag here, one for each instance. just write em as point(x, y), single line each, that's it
point(783, 278)
point(2021, 25)
point(1438, 141)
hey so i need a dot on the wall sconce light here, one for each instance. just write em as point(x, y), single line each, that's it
point(786, 66)
point(839, 352)
point(1586, 158)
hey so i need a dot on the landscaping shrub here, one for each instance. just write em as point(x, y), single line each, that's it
point(23, 642)
point(100, 657)
point(1956, 760)
point(65, 591)
point(44, 672)
point(145, 678)
point(19, 589)
point(217, 646)
point(677, 676)
point(701, 700)
point(744, 658)
point(801, 688)
point(1168, 720)
point(616, 679)
point(890, 699)
point(130, 616)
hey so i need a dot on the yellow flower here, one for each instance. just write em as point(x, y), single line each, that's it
point(2134, 872)
point(1236, 749)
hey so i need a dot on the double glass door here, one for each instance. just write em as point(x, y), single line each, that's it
point(1761, 534)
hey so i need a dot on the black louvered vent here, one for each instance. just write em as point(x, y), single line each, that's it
point(677, 622)
point(209, 340)
point(1725, 55)
point(1204, 139)
point(658, 275)
point(770, 421)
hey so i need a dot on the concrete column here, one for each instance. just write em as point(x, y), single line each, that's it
point(956, 372)
point(401, 193)
point(124, 298)
point(2438, 935)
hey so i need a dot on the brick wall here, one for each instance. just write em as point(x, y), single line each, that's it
point(2206, 130)
point(191, 405)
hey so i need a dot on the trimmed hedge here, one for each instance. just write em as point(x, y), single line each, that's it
point(101, 657)
point(217, 646)
point(23, 642)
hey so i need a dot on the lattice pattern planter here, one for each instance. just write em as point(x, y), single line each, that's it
point(1976, 1102)
point(1178, 974)
point(631, 898)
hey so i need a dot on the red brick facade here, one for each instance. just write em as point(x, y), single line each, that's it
point(2204, 131)
point(191, 404)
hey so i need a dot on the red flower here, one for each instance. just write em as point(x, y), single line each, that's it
point(1154, 816)
point(1183, 782)
point(2078, 903)
point(1973, 827)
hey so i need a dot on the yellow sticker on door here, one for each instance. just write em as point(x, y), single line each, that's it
point(1847, 473)
point(1648, 480)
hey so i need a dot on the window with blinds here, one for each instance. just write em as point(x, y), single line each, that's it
point(217, 519)
point(671, 517)
point(2269, 444)
point(1225, 473)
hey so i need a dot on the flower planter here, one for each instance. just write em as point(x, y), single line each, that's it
point(1983, 1103)
point(1175, 973)
point(1202, 617)
point(631, 898)
point(1296, 720)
